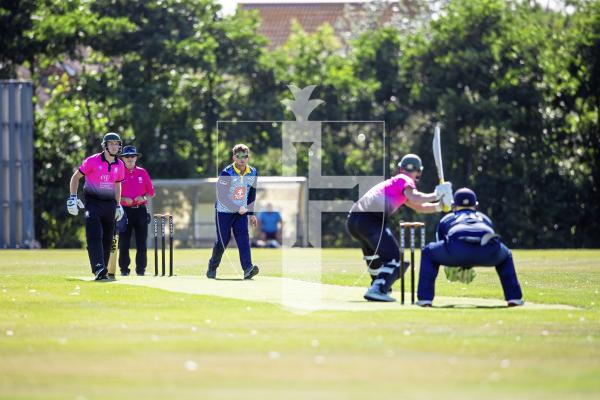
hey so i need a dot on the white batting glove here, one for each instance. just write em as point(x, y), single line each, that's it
point(119, 212)
point(74, 204)
point(446, 201)
point(443, 188)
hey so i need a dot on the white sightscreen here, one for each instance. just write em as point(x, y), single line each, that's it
point(192, 204)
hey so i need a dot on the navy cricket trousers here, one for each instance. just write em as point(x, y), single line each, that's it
point(458, 253)
point(379, 247)
point(225, 224)
point(99, 230)
point(137, 221)
point(374, 236)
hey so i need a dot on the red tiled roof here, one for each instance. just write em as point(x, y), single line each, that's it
point(276, 19)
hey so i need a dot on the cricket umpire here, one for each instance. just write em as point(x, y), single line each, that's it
point(236, 192)
point(466, 238)
point(137, 189)
point(103, 173)
point(368, 222)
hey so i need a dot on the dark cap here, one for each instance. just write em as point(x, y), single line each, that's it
point(130, 151)
point(465, 197)
point(410, 163)
point(111, 136)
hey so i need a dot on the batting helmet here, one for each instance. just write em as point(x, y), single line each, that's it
point(411, 163)
point(111, 136)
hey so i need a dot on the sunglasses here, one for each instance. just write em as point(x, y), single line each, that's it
point(241, 155)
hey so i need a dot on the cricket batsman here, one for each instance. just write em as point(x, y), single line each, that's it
point(236, 192)
point(369, 225)
point(103, 173)
point(466, 238)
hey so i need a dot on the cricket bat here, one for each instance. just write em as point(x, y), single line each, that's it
point(437, 156)
point(112, 260)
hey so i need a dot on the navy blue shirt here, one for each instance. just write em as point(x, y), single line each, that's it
point(468, 225)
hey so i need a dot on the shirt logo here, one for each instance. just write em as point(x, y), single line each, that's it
point(104, 178)
point(239, 193)
point(139, 179)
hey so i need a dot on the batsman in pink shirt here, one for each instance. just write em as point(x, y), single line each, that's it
point(368, 222)
point(137, 189)
point(103, 174)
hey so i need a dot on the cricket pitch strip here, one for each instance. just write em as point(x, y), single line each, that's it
point(333, 297)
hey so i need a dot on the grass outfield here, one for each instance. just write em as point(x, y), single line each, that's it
point(63, 338)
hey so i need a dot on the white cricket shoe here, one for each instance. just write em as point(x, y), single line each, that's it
point(516, 302)
point(376, 295)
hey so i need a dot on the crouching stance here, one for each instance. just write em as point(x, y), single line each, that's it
point(466, 238)
point(368, 222)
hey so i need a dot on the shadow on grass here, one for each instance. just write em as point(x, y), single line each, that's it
point(457, 306)
point(229, 279)
point(469, 306)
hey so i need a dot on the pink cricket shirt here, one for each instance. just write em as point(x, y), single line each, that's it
point(137, 183)
point(101, 176)
point(386, 196)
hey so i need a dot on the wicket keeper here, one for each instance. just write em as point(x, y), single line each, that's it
point(236, 192)
point(466, 238)
point(103, 173)
point(368, 224)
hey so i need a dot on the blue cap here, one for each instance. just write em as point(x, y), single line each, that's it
point(130, 151)
point(465, 197)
